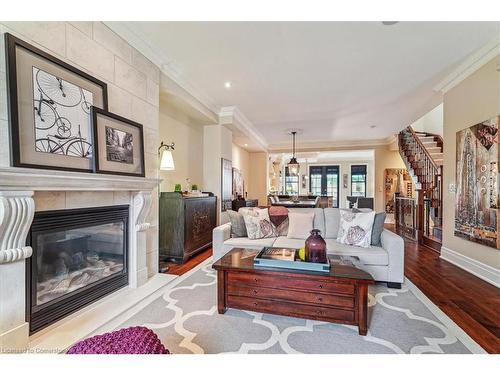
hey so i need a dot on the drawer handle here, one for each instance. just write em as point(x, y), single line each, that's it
point(319, 312)
point(255, 292)
point(320, 299)
point(256, 280)
point(321, 286)
point(255, 303)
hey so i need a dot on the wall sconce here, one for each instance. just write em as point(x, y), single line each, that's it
point(167, 161)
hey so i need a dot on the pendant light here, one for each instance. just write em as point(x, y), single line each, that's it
point(293, 165)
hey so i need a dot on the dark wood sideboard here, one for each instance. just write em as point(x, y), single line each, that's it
point(186, 225)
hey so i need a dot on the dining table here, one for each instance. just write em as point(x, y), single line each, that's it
point(309, 203)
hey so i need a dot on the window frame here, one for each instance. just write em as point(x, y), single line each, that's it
point(365, 167)
point(287, 176)
point(324, 169)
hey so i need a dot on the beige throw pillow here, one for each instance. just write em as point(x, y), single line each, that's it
point(355, 228)
point(300, 225)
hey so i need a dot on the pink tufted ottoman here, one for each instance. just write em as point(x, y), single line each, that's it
point(132, 340)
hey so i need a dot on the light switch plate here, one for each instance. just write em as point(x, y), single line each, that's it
point(451, 188)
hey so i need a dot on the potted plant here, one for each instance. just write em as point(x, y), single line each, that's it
point(178, 188)
point(194, 187)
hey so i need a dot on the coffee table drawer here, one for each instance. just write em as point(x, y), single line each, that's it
point(277, 281)
point(291, 295)
point(290, 309)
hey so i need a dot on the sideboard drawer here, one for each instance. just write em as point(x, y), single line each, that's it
point(290, 309)
point(291, 295)
point(276, 281)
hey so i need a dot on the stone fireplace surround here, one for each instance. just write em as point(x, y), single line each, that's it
point(17, 207)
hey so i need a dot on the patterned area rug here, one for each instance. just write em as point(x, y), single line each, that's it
point(184, 315)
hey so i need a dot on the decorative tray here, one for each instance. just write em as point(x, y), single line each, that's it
point(284, 257)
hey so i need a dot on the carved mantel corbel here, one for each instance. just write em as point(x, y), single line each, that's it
point(142, 205)
point(139, 211)
point(16, 215)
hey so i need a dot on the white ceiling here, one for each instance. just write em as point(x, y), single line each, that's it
point(332, 79)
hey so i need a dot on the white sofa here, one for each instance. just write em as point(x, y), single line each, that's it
point(385, 263)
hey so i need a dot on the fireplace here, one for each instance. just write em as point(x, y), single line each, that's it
point(79, 256)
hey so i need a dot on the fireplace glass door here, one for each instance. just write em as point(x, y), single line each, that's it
point(78, 257)
point(70, 259)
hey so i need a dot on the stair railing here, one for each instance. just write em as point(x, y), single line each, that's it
point(426, 172)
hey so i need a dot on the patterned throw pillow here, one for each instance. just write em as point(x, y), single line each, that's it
point(258, 224)
point(355, 228)
point(279, 219)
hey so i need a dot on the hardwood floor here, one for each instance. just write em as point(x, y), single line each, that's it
point(470, 302)
point(180, 269)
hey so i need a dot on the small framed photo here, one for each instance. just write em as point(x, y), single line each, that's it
point(49, 109)
point(118, 144)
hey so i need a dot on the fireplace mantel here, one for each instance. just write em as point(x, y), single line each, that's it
point(17, 207)
point(22, 179)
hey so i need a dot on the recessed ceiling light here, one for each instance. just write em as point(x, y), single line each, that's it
point(227, 85)
point(389, 23)
point(246, 144)
point(373, 126)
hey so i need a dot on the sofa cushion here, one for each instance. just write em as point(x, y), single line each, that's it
point(300, 224)
point(356, 228)
point(294, 243)
point(378, 228)
point(258, 223)
point(319, 217)
point(238, 227)
point(332, 222)
point(248, 243)
point(279, 220)
point(374, 255)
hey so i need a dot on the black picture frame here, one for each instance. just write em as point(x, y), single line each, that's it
point(98, 167)
point(12, 43)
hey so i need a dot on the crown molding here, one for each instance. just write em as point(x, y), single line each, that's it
point(234, 119)
point(470, 65)
point(164, 63)
point(326, 146)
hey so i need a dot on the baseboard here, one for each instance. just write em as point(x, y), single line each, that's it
point(15, 340)
point(475, 267)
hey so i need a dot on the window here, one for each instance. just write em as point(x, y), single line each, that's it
point(291, 183)
point(315, 175)
point(358, 180)
point(324, 180)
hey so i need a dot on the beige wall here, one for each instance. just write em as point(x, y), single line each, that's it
point(241, 160)
point(431, 122)
point(474, 100)
point(217, 144)
point(133, 87)
point(257, 186)
point(188, 154)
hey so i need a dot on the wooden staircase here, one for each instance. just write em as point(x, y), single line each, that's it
point(422, 154)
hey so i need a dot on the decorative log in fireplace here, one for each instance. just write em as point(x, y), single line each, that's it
point(79, 256)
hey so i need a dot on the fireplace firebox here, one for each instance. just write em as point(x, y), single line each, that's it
point(79, 256)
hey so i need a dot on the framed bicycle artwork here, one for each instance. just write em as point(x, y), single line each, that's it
point(49, 109)
point(118, 144)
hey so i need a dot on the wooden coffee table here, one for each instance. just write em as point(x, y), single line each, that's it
point(339, 296)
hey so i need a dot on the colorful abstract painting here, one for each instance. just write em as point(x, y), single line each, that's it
point(477, 196)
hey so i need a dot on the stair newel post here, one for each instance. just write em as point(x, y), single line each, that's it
point(396, 210)
point(420, 222)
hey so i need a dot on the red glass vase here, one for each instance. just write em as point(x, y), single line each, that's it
point(315, 248)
